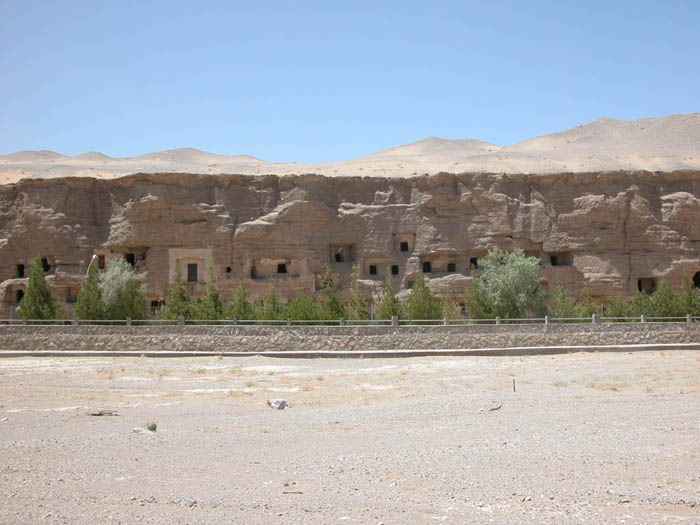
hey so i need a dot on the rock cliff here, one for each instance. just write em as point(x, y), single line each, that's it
point(619, 230)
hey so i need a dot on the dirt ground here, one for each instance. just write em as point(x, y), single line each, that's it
point(584, 438)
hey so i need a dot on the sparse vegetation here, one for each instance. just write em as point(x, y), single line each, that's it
point(151, 426)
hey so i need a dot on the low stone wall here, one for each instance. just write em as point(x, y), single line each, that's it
point(338, 338)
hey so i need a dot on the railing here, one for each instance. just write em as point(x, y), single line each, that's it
point(395, 321)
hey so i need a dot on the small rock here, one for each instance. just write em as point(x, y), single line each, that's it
point(141, 430)
point(278, 404)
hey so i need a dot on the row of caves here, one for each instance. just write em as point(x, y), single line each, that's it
point(622, 232)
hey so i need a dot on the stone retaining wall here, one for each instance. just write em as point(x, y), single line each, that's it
point(338, 338)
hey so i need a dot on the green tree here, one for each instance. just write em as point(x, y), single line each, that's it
point(450, 307)
point(507, 285)
point(89, 304)
point(388, 305)
point(332, 306)
point(689, 297)
point(586, 304)
point(356, 306)
point(475, 302)
point(303, 308)
point(420, 303)
point(665, 303)
point(563, 305)
point(640, 305)
point(38, 301)
point(210, 306)
point(122, 292)
point(268, 307)
point(177, 304)
point(240, 307)
point(617, 306)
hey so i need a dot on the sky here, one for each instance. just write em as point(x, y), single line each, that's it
point(328, 81)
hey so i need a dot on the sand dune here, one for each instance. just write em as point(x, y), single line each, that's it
point(654, 144)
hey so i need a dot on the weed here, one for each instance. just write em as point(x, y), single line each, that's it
point(560, 384)
point(201, 371)
point(151, 426)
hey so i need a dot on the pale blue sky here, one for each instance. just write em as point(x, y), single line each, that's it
point(323, 81)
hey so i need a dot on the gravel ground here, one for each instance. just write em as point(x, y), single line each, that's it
point(585, 438)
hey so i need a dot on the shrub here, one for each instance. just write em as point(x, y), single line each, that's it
point(421, 304)
point(38, 301)
point(387, 305)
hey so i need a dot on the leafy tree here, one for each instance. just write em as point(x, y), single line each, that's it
point(89, 304)
point(689, 297)
point(331, 304)
point(617, 306)
point(38, 301)
point(665, 303)
point(356, 306)
point(421, 304)
point(640, 305)
point(303, 308)
point(388, 305)
point(269, 308)
point(476, 303)
point(507, 285)
point(563, 305)
point(450, 307)
point(240, 307)
point(177, 304)
point(586, 304)
point(210, 307)
point(122, 293)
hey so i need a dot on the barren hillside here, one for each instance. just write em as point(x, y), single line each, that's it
point(652, 144)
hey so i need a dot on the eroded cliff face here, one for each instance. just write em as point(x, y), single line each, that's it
point(619, 230)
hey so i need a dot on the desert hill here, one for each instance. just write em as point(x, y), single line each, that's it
point(653, 144)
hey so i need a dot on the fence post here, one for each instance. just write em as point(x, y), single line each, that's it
point(76, 321)
point(342, 321)
point(546, 319)
point(595, 319)
point(498, 319)
point(289, 322)
point(394, 320)
point(24, 320)
point(128, 321)
point(643, 318)
point(689, 319)
point(234, 321)
point(445, 321)
point(180, 321)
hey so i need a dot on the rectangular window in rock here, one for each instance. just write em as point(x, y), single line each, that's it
point(129, 257)
point(101, 262)
point(473, 262)
point(20, 270)
point(561, 259)
point(451, 267)
point(373, 269)
point(191, 272)
point(45, 264)
point(427, 267)
point(282, 268)
point(394, 269)
point(646, 285)
point(404, 246)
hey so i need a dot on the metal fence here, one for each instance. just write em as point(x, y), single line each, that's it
point(395, 321)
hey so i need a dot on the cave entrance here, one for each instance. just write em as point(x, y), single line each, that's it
point(19, 294)
point(646, 285)
point(696, 280)
point(20, 270)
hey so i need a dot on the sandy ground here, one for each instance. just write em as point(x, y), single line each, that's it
point(585, 438)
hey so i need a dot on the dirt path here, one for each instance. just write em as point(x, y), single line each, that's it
point(604, 438)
